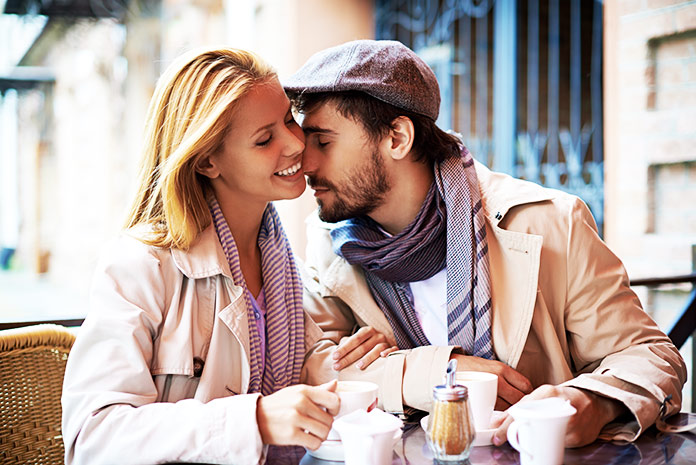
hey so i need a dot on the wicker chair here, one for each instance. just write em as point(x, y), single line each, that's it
point(32, 365)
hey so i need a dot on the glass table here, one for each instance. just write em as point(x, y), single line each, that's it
point(652, 448)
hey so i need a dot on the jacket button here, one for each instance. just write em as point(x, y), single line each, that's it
point(198, 365)
point(498, 216)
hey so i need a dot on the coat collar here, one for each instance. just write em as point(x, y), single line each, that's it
point(204, 258)
point(501, 192)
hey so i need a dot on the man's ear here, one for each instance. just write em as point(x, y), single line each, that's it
point(400, 138)
point(207, 166)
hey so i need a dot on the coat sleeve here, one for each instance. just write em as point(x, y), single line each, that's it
point(643, 367)
point(111, 412)
point(405, 377)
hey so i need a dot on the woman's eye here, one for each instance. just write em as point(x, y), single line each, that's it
point(265, 142)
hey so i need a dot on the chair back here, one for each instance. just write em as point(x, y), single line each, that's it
point(32, 366)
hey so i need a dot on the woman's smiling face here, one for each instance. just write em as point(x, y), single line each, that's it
point(261, 156)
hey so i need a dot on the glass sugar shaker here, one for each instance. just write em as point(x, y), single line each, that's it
point(450, 430)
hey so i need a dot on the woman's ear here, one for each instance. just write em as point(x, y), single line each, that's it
point(400, 138)
point(207, 166)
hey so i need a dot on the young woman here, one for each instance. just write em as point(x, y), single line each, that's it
point(196, 338)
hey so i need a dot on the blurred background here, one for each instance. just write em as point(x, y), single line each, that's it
point(597, 98)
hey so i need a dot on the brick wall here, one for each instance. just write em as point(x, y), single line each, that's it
point(650, 146)
point(650, 137)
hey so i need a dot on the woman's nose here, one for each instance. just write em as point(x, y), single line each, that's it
point(295, 141)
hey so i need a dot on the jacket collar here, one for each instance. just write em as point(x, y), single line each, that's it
point(501, 192)
point(205, 257)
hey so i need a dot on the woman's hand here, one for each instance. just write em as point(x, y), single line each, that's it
point(298, 415)
point(365, 346)
point(512, 385)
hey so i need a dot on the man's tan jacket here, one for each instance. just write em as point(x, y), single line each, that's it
point(563, 312)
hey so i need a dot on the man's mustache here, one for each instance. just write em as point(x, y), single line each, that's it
point(315, 183)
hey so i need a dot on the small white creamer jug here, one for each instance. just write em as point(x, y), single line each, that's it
point(368, 437)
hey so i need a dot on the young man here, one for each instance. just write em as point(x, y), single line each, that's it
point(451, 260)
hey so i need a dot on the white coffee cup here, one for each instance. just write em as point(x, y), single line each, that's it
point(368, 437)
point(538, 430)
point(483, 392)
point(356, 395)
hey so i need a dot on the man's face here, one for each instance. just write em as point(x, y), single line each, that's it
point(344, 168)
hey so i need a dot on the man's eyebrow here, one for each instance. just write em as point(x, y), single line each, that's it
point(317, 130)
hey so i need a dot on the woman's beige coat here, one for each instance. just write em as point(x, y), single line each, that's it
point(136, 390)
point(562, 309)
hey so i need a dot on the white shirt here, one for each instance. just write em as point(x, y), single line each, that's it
point(430, 304)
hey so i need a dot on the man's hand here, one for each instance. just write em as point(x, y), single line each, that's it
point(593, 413)
point(296, 415)
point(365, 346)
point(512, 385)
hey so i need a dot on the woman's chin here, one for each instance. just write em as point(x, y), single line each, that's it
point(292, 193)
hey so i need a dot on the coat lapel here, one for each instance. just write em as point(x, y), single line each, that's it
point(514, 263)
point(231, 317)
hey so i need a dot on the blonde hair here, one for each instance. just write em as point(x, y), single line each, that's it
point(187, 120)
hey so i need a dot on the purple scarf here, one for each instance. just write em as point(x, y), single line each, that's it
point(282, 289)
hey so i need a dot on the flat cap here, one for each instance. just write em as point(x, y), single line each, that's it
point(384, 69)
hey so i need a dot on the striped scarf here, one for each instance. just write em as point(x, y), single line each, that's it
point(449, 231)
point(283, 292)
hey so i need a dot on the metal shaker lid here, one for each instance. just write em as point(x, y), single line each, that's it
point(450, 391)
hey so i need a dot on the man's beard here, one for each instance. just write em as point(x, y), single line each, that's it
point(358, 195)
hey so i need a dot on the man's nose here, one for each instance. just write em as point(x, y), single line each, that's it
point(310, 161)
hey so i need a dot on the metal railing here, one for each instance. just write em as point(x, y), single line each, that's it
point(684, 325)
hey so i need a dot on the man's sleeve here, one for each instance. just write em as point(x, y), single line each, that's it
point(642, 368)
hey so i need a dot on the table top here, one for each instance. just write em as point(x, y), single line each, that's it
point(652, 448)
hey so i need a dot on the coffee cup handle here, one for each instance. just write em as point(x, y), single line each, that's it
point(512, 432)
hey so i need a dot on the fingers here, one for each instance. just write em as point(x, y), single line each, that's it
point(323, 397)
point(517, 380)
point(388, 351)
point(507, 394)
point(359, 347)
point(512, 387)
point(350, 343)
point(330, 386)
point(307, 440)
point(297, 415)
point(502, 404)
point(373, 355)
point(316, 421)
point(500, 435)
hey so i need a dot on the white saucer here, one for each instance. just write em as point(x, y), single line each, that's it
point(483, 437)
point(329, 450)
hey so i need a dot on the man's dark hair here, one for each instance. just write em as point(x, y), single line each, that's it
point(431, 144)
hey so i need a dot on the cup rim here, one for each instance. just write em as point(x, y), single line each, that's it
point(384, 425)
point(479, 375)
point(368, 386)
point(526, 410)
